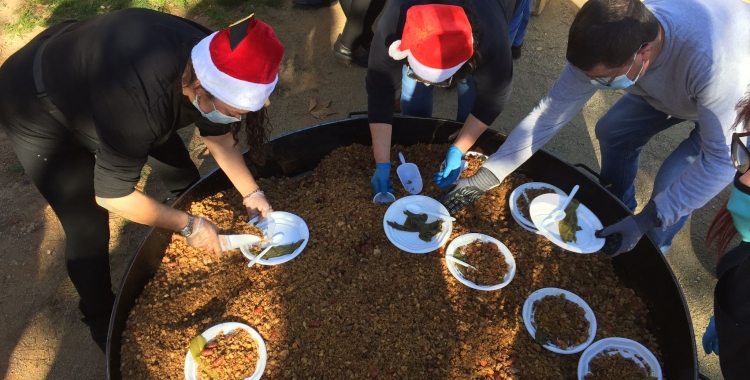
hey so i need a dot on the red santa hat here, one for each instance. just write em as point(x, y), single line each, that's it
point(436, 41)
point(240, 64)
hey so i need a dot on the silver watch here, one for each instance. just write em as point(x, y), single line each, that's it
point(187, 230)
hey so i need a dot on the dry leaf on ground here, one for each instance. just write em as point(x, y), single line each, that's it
point(320, 109)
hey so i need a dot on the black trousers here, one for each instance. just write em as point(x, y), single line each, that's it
point(732, 312)
point(60, 163)
point(360, 16)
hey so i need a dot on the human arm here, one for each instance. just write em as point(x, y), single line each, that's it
point(467, 136)
point(381, 148)
point(711, 170)
point(230, 159)
point(141, 208)
point(568, 96)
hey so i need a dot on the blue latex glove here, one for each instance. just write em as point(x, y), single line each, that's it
point(625, 234)
point(380, 179)
point(710, 338)
point(452, 168)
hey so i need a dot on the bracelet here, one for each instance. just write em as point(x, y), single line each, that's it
point(188, 229)
point(258, 190)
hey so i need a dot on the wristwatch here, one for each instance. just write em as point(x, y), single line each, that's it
point(187, 230)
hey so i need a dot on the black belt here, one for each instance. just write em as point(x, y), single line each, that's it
point(41, 92)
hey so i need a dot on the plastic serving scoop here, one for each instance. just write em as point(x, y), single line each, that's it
point(559, 213)
point(229, 242)
point(268, 226)
point(408, 173)
point(384, 199)
point(416, 209)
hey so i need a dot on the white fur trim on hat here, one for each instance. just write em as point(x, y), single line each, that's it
point(432, 74)
point(237, 93)
point(395, 52)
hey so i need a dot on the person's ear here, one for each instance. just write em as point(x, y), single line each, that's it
point(646, 52)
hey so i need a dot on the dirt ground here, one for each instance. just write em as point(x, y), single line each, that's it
point(41, 336)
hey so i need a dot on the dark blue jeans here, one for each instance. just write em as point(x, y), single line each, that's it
point(622, 132)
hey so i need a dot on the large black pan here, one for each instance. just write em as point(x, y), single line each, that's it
point(644, 269)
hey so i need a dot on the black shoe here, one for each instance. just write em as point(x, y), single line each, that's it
point(515, 51)
point(343, 54)
point(98, 324)
point(314, 3)
point(99, 327)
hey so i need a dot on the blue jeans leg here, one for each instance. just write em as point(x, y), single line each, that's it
point(519, 22)
point(622, 132)
point(669, 172)
point(416, 98)
point(467, 94)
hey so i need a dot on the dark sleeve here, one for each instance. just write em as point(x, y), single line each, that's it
point(207, 128)
point(126, 131)
point(494, 78)
point(383, 72)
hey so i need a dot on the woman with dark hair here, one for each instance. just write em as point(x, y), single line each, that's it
point(418, 46)
point(728, 333)
point(86, 104)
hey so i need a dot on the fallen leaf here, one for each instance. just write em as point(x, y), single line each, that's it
point(313, 103)
point(320, 109)
point(323, 113)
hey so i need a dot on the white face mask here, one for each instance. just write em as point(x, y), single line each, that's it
point(621, 81)
point(214, 116)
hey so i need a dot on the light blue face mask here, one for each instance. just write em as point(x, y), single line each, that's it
point(621, 81)
point(214, 116)
point(739, 207)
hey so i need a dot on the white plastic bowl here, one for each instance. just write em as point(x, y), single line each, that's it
point(527, 224)
point(625, 347)
point(191, 367)
point(528, 317)
point(467, 239)
point(293, 228)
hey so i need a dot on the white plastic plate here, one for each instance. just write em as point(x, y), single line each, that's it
point(542, 206)
point(625, 347)
point(518, 192)
point(410, 241)
point(528, 317)
point(293, 228)
point(467, 239)
point(191, 367)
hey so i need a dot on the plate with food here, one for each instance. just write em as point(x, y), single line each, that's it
point(226, 351)
point(470, 163)
point(575, 232)
point(290, 237)
point(424, 230)
point(559, 320)
point(480, 262)
point(616, 359)
point(520, 200)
